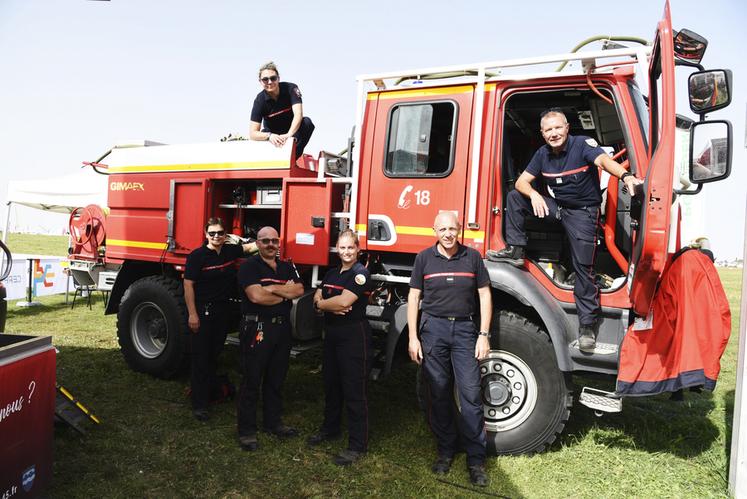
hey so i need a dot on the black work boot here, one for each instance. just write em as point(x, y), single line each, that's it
point(513, 255)
point(477, 475)
point(347, 457)
point(283, 431)
point(248, 442)
point(587, 340)
point(442, 465)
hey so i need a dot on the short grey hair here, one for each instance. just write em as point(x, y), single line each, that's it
point(553, 111)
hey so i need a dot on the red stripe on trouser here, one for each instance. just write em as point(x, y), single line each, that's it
point(365, 380)
point(594, 258)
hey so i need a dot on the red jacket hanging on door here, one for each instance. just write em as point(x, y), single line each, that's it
point(690, 328)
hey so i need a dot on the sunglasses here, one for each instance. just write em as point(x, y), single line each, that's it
point(269, 79)
point(267, 240)
point(219, 233)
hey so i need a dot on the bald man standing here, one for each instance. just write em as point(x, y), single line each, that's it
point(269, 286)
point(444, 280)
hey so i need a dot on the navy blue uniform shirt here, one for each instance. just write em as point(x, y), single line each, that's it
point(357, 280)
point(449, 285)
point(277, 114)
point(214, 273)
point(256, 271)
point(571, 175)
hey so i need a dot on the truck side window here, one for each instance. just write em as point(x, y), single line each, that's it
point(420, 139)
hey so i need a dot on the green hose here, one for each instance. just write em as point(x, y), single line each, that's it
point(604, 37)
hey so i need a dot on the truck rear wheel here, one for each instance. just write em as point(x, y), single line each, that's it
point(526, 398)
point(152, 326)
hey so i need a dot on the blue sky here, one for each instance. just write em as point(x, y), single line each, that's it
point(78, 76)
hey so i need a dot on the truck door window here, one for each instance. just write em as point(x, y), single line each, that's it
point(641, 110)
point(654, 108)
point(420, 139)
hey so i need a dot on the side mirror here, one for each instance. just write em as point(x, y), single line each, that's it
point(689, 46)
point(710, 151)
point(709, 90)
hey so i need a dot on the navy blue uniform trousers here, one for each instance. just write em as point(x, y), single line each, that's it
point(580, 225)
point(302, 135)
point(347, 361)
point(205, 347)
point(264, 362)
point(448, 359)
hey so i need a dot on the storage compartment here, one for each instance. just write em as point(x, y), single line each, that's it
point(268, 194)
point(27, 397)
point(247, 205)
point(106, 280)
point(308, 228)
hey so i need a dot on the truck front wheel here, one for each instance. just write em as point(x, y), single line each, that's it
point(152, 326)
point(526, 398)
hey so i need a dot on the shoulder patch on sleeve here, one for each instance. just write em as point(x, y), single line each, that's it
point(297, 91)
point(360, 279)
point(592, 142)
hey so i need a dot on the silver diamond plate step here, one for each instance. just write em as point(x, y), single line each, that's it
point(599, 400)
point(600, 349)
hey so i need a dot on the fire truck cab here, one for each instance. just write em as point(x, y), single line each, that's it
point(426, 140)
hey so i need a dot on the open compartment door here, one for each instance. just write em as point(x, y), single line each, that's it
point(651, 245)
point(306, 229)
point(186, 215)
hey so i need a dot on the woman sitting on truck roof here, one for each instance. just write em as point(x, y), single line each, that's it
point(277, 114)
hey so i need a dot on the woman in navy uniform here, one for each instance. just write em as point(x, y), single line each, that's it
point(347, 356)
point(277, 112)
point(209, 282)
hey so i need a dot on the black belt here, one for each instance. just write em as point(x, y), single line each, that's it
point(272, 319)
point(453, 318)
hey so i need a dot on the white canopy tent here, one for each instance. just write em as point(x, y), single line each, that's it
point(59, 195)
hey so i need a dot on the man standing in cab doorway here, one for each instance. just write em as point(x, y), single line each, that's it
point(568, 165)
point(445, 279)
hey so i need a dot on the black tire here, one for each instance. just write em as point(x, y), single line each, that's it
point(3, 307)
point(152, 326)
point(527, 399)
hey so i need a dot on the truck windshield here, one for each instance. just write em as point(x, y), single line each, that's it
point(641, 110)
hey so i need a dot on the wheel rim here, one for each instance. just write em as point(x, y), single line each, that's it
point(149, 330)
point(509, 390)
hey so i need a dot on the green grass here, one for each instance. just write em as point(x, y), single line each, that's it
point(37, 244)
point(148, 444)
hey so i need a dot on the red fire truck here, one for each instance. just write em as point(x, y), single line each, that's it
point(447, 138)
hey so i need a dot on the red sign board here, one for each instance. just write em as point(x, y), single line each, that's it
point(27, 400)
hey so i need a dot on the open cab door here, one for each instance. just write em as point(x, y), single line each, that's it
point(650, 249)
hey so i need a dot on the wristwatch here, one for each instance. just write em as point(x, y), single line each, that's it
point(625, 175)
point(485, 333)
